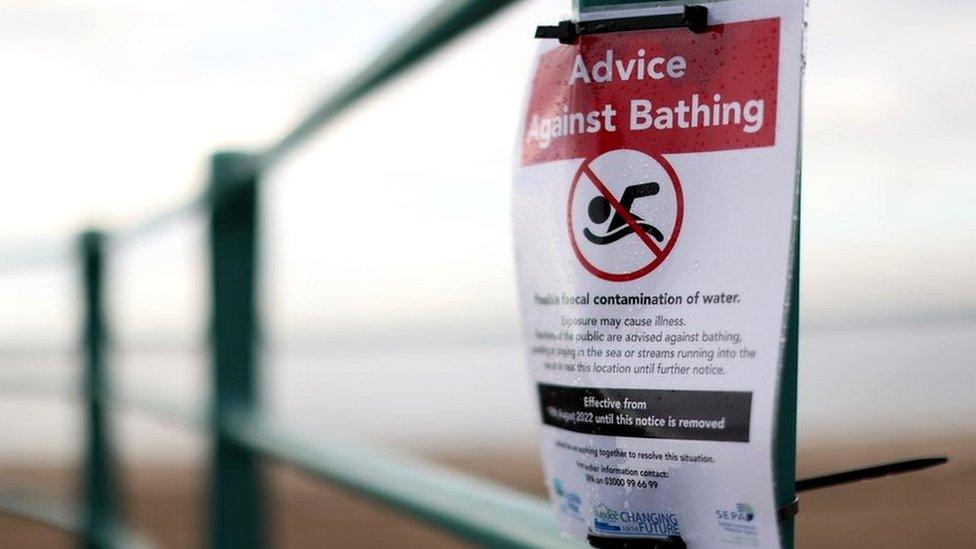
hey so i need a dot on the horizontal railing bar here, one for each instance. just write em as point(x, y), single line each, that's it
point(440, 26)
point(466, 506)
point(34, 384)
point(186, 415)
point(54, 514)
point(46, 512)
point(36, 253)
point(66, 387)
point(470, 508)
point(158, 220)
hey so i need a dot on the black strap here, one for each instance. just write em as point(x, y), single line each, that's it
point(788, 511)
point(695, 18)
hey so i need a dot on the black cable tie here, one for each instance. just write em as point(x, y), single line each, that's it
point(790, 510)
point(565, 32)
point(695, 18)
point(866, 473)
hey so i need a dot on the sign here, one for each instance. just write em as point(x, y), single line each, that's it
point(653, 209)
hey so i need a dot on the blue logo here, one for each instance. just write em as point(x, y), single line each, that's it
point(569, 502)
point(738, 524)
point(743, 512)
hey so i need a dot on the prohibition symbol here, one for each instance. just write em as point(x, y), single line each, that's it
point(624, 214)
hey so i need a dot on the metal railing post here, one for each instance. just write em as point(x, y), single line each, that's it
point(784, 438)
point(99, 498)
point(236, 506)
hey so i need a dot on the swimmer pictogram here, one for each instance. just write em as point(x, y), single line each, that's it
point(600, 210)
point(624, 214)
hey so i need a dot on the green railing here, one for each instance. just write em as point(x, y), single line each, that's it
point(241, 434)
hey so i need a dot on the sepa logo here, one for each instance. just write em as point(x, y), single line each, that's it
point(607, 519)
point(743, 512)
point(737, 522)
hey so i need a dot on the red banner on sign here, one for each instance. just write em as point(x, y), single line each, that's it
point(656, 91)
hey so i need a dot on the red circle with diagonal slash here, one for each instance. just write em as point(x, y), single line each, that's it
point(659, 253)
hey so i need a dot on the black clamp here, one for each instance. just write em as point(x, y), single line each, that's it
point(695, 18)
point(614, 542)
point(788, 511)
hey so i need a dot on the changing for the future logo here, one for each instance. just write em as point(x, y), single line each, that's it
point(607, 519)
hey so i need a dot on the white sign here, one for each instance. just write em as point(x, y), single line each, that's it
point(653, 206)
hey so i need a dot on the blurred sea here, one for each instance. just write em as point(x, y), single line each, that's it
point(897, 381)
